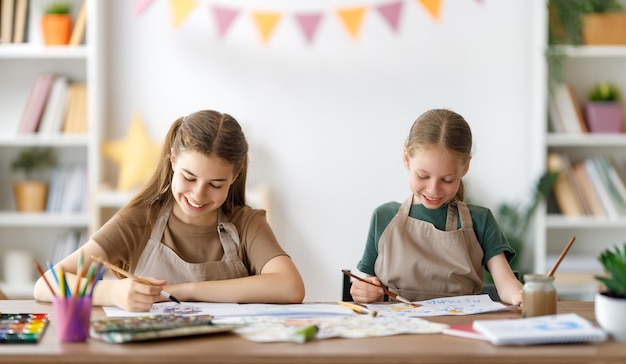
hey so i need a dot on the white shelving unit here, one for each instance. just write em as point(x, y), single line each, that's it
point(584, 67)
point(20, 64)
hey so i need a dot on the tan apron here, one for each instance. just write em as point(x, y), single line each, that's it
point(420, 262)
point(159, 260)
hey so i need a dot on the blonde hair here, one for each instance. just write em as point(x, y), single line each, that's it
point(211, 133)
point(445, 128)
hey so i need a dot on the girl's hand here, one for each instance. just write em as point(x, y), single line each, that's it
point(516, 298)
point(366, 293)
point(131, 295)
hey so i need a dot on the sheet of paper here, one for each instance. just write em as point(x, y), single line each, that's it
point(220, 310)
point(277, 329)
point(458, 305)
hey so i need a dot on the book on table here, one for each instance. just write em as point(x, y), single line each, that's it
point(550, 329)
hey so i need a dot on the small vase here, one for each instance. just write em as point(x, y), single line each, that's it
point(56, 29)
point(611, 315)
point(604, 117)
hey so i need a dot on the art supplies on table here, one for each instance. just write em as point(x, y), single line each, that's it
point(142, 328)
point(444, 306)
point(550, 329)
point(22, 328)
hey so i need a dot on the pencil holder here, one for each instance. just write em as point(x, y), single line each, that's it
point(72, 316)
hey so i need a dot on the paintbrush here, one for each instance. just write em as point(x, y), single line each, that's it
point(388, 292)
point(132, 276)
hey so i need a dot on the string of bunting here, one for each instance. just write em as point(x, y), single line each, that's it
point(266, 21)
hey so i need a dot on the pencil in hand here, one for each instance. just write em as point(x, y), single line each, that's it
point(132, 276)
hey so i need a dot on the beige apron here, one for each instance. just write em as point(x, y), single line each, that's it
point(159, 260)
point(420, 262)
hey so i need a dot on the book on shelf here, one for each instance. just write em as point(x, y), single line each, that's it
point(550, 329)
point(36, 103)
point(613, 183)
point(76, 115)
point(567, 197)
point(78, 31)
point(599, 186)
point(21, 13)
point(68, 189)
point(54, 113)
point(567, 109)
point(7, 11)
point(589, 193)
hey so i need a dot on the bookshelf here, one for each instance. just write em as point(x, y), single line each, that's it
point(20, 64)
point(584, 67)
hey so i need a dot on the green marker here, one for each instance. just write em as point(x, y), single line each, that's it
point(305, 334)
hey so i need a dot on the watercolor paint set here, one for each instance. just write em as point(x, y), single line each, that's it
point(22, 328)
point(141, 328)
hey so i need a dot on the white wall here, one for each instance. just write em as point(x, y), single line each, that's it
point(327, 121)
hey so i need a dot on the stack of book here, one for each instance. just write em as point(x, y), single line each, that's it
point(592, 186)
point(55, 105)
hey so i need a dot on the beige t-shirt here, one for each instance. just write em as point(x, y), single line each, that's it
point(124, 238)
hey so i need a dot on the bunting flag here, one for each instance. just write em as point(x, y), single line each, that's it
point(140, 6)
point(391, 13)
point(432, 6)
point(265, 22)
point(308, 22)
point(180, 10)
point(223, 17)
point(351, 18)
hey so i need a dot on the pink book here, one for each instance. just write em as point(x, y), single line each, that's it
point(36, 103)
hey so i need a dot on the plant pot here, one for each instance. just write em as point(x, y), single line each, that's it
point(604, 28)
point(56, 29)
point(611, 315)
point(604, 117)
point(31, 196)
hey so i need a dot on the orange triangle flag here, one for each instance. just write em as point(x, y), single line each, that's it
point(266, 21)
point(432, 6)
point(180, 10)
point(351, 18)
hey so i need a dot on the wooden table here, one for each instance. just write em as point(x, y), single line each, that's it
point(230, 348)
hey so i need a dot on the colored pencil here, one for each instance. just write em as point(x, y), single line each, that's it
point(132, 276)
point(388, 292)
point(43, 275)
point(357, 308)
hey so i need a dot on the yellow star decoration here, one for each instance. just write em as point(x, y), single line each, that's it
point(137, 156)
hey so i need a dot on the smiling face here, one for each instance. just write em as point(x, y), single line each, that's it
point(200, 186)
point(434, 175)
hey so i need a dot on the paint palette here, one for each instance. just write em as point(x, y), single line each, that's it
point(22, 328)
point(141, 328)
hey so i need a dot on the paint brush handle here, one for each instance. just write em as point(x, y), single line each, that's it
point(388, 292)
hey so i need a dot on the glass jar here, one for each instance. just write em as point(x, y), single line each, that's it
point(538, 295)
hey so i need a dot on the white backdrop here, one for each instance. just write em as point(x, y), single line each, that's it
point(326, 121)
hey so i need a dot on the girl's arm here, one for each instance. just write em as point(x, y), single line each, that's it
point(508, 286)
point(124, 293)
point(279, 282)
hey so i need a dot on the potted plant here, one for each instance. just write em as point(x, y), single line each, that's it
point(604, 112)
point(610, 304)
point(31, 189)
point(56, 23)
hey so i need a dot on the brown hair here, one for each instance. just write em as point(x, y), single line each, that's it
point(442, 127)
point(211, 133)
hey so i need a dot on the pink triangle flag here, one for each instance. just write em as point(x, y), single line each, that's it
point(224, 17)
point(308, 23)
point(391, 13)
point(140, 6)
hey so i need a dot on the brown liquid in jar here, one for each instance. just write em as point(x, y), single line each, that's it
point(538, 296)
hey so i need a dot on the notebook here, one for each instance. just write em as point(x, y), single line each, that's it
point(22, 328)
point(550, 329)
point(140, 328)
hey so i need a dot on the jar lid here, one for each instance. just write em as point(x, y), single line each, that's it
point(537, 278)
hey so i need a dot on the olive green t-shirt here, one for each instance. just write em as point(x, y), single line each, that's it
point(488, 233)
point(125, 236)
